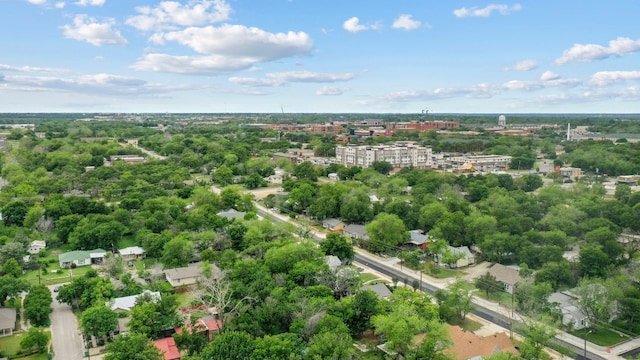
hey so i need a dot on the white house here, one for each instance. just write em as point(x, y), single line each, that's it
point(464, 256)
point(571, 314)
point(131, 253)
point(126, 303)
point(81, 258)
point(36, 246)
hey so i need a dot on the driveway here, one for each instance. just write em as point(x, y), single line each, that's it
point(66, 339)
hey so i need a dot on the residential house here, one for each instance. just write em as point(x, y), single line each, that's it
point(333, 176)
point(333, 262)
point(232, 214)
point(168, 348)
point(509, 276)
point(462, 254)
point(36, 246)
point(127, 303)
point(7, 321)
point(131, 253)
point(355, 231)
point(189, 275)
point(332, 224)
point(418, 239)
point(381, 290)
point(207, 325)
point(81, 258)
point(571, 314)
point(277, 178)
point(467, 345)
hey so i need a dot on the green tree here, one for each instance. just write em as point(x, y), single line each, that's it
point(386, 232)
point(356, 207)
point(230, 345)
point(132, 346)
point(12, 267)
point(99, 321)
point(285, 346)
point(223, 175)
point(37, 305)
point(35, 339)
point(455, 299)
point(330, 345)
point(96, 231)
point(254, 181)
point(383, 167)
point(11, 287)
point(488, 283)
point(598, 299)
point(594, 261)
point(338, 245)
point(178, 251)
point(305, 170)
point(400, 326)
point(14, 212)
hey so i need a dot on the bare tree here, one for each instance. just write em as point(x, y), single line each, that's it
point(214, 291)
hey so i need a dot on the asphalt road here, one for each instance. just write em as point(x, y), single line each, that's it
point(480, 311)
point(66, 339)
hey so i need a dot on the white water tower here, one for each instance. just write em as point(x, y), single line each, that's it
point(502, 120)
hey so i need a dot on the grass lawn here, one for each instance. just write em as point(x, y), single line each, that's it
point(54, 274)
point(470, 325)
point(501, 297)
point(126, 241)
point(366, 277)
point(602, 336)
point(10, 346)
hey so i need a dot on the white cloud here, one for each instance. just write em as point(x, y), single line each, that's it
point(486, 11)
point(31, 69)
point(90, 2)
point(331, 91)
point(59, 5)
point(405, 22)
point(353, 25)
point(37, 2)
point(102, 84)
point(549, 75)
point(231, 48)
point(282, 78)
point(212, 65)
point(589, 52)
point(524, 65)
point(603, 78)
point(87, 29)
point(168, 14)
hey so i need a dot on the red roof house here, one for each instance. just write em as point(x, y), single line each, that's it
point(168, 347)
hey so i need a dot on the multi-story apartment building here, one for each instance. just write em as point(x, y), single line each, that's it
point(398, 155)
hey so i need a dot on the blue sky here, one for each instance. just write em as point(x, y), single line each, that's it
point(327, 56)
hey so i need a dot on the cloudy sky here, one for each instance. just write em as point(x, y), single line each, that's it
point(329, 56)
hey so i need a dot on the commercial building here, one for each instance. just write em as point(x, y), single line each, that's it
point(399, 155)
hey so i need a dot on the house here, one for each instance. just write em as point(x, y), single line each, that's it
point(7, 321)
point(187, 276)
point(168, 348)
point(232, 214)
point(36, 246)
point(277, 178)
point(81, 258)
point(467, 345)
point(131, 253)
point(126, 303)
point(381, 290)
point(571, 314)
point(509, 276)
point(206, 325)
point(418, 238)
point(355, 231)
point(333, 262)
point(332, 224)
point(462, 254)
point(333, 176)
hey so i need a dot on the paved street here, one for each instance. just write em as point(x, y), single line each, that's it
point(67, 342)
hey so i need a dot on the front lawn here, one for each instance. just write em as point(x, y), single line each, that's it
point(10, 347)
point(601, 336)
point(54, 274)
